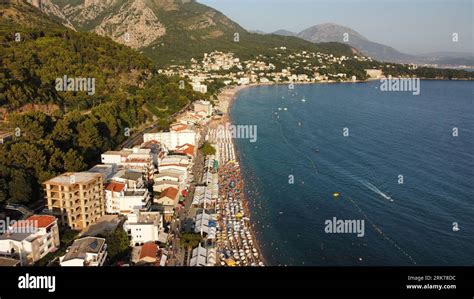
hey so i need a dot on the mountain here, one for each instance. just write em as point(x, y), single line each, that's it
point(449, 59)
point(448, 54)
point(258, 32)
point(330, 32)
point(67, 130)
point(172, 31)
point(46, 50)
point(283, 32)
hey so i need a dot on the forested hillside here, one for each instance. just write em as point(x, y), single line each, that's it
point(77, 127)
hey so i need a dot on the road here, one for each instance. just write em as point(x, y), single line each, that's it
point(182, 221)
point(175, 257)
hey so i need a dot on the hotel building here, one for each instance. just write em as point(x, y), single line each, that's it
point(77, 199)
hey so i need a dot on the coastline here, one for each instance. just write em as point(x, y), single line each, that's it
point(226, 98)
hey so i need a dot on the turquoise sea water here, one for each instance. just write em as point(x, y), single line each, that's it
point(391, 134)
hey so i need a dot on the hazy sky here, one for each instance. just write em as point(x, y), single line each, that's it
point(410, 26)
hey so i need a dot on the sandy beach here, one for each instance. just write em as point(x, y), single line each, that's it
point(230, 173)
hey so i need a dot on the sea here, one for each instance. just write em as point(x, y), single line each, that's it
point(398, 163)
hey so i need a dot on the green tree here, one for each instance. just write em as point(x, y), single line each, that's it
point(207, 149)
point(62, 132)
point(20, 187)
point(89, 136)
point(32, 125)
point(3, 189)
point(56, 161)
point(190, 240)
point(73, 161)
point(27, 155)
point(118, 244)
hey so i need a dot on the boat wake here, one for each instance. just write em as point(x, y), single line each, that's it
point(376, 190)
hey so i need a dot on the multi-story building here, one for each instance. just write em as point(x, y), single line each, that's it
point(203, 106)
point(174, 139)
point(144, 226)
point(138, 159)
point(197, 86)
point(167, 200)
point(31, 239)
point(77, 199)
point(162, 185)
point(175, 162)
point(87, 251)
point(133, 179)
point(106, 170)
point(119, 199)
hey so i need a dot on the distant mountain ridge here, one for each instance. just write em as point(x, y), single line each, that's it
point(172, 31)
point(330, 32)
point(285, 33)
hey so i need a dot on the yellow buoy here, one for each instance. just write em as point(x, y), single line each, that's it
point(335, 194)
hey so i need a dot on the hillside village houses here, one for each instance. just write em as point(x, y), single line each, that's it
point(144, 184)
point(300, 66)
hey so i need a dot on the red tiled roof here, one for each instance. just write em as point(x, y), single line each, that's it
point(38, 221)
point(179, 127)
point(187, 149)
point(149, 250)
point(42, 220)
point(115, 187)
point(169, 192)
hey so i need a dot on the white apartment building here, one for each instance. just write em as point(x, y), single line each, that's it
point(133, 179)
point(173, 139)
point(203, 106)
point(144, 227)
point(197, 86)
point(137, 159)
point(31, 239)
point(119, 199)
